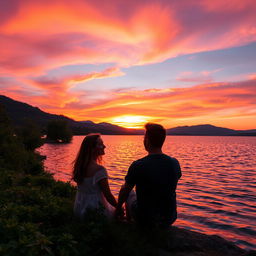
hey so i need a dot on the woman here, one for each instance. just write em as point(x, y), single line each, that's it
point(92, 180)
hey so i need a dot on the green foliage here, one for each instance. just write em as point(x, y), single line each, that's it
point(30, 135)
point(58, 130)
point(12, 153)
point(5, 127)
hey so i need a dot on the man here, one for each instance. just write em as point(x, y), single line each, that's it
point(155, 177)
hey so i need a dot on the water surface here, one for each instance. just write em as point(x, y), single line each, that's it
point(216, 194)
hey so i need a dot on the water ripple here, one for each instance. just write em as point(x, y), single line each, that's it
point(217, 192)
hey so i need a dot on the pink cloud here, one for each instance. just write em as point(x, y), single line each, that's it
point(66, 82)
point(81, 33)
point(192, 77)
point(252, 76)
point(58, 88)
point(228, 5)
point(205, 76)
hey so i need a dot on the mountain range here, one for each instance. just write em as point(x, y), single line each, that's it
point(19, 112)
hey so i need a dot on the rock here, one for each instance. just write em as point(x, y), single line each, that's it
point(183, 242)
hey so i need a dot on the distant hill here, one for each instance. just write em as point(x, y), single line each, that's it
point(205, 129)
point(208, 130)
point(19, 112)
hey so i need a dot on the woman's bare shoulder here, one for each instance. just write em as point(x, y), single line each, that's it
point(101, 173)
point(95, 169)
point(99, 168)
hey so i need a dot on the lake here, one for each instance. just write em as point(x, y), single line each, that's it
point(216, 194)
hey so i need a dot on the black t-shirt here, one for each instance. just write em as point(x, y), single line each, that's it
point(155, 177)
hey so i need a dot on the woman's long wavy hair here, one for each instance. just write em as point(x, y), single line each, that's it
point(87, 152)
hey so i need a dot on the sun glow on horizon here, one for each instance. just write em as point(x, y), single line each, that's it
point(130, 121)
point(109, 61)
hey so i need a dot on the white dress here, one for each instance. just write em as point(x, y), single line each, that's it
point(90, 196)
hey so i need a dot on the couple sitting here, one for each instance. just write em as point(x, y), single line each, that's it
point(155, 177)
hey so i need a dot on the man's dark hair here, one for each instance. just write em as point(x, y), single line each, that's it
point(155, 134)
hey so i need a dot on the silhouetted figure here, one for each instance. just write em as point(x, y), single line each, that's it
point(93, 190)
point(155, 177)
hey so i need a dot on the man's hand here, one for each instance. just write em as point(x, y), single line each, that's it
point(119, 213)
point(123, 195)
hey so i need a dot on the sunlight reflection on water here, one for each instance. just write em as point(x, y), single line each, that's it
point(216, 194)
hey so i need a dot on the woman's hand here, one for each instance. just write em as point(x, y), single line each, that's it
point(104, 186)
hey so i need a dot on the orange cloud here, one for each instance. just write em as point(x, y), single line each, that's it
point(216, 103)
point(58, 88)
point(208, 102)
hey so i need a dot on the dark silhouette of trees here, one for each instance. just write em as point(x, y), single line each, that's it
point(59, 131)
point(13, 152)
point(30, 135)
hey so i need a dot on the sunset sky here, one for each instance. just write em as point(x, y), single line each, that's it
point(176, 62)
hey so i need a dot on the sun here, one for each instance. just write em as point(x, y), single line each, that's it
point(130, 121)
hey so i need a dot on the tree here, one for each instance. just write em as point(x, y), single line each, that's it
point(5, 126)
point(30, 135)
point(13, 155)
point(59, 131)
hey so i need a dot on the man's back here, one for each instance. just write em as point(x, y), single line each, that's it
point(155, 177)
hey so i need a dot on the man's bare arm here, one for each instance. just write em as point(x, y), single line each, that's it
point(123, 194)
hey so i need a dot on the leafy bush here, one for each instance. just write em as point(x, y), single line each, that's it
point(30, 135)
point(59, 130)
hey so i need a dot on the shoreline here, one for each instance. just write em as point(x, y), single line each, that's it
point(45, 205)
point(197, 243)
